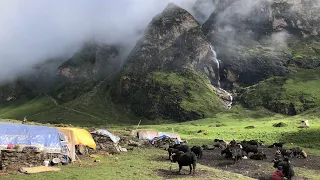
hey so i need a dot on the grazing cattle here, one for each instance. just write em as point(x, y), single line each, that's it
point(278, 154)
point(171, 151)
point(198, 151)
point(218, 140)
point(185, 159)
point(227, 152)
point(285, 153)
point(184, 148)
point(205, 147)
point(255, 142)
point(259, 156)
point(303, 154)
point(296, 151)
point(236, 152)
point(279, 145)
point(250, 148)
point(233, 143)
point(287, 167)
point(220, 145)
point(252, 142)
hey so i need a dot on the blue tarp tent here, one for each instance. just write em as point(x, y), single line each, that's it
point(39, 136)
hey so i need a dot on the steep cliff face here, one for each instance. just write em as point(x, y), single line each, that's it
point(298, 17)
point(258, 39)
point(14, 91)
point(173, 43)
point(92, 61)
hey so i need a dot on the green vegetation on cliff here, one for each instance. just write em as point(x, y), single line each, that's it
point(305, 52)
point(195, 90)
point(180, 96)
point(291, 95)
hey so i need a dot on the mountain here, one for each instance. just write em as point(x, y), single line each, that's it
point(164, 76)
point(247, 53)
point(93, 60)
point(262, 39)
point(265, 39)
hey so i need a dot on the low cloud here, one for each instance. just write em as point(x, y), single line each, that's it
point(35, 30)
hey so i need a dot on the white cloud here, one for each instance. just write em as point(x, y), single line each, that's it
point(34, 30)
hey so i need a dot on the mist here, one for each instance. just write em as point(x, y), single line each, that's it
point(34, 31)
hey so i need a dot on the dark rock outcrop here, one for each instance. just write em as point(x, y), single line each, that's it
point(252, 38)
point(172, 49)
point(92, 61)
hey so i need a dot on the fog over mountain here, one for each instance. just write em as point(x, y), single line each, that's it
point(36, 30)
point(33, 31)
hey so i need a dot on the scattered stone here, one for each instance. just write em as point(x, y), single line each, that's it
point(220, 124)
point(281, 124)
point(133, 143)
point(249, 127)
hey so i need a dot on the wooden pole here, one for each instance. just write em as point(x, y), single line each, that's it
point(138, 124)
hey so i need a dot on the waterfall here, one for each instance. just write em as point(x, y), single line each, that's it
point(214, 54)
point(221, 92)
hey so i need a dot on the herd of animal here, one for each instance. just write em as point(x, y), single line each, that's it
point(233, 150)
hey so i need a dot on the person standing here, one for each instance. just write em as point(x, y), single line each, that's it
point(24, 120)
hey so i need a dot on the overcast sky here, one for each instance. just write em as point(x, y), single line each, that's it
point(33, 30)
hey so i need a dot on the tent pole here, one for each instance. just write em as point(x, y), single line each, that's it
point(138, 124)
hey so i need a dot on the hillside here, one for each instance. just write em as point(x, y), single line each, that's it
point(181, 70)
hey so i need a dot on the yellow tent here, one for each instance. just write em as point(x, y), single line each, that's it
point(71, 140)
point(82, 137)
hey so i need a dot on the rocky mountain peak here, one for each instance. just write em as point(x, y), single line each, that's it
point(172, 40)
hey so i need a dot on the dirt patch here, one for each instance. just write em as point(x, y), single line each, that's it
point(259, 169)
point(173, 173)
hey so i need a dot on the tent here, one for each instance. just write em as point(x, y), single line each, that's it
point(81, 137)
point(114, 138)
point(147, 134)
point(69, 136)
point(152, 141)
point(43, 137)
point(171, 135)
point(150, 135)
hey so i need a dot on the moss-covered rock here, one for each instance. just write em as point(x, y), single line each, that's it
point(305, 52)
point(181, 96)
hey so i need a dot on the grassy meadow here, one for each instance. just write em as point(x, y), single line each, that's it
point(138, 164)
point(152, 163)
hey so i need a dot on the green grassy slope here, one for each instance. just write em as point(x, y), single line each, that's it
point(92, 108)
point(233, 125)
point(33, 107)
point(301, 89)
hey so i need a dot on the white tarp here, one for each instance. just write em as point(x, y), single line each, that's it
point(114, 138)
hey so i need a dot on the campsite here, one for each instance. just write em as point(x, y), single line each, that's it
point(144, 157)
point(159, 89)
